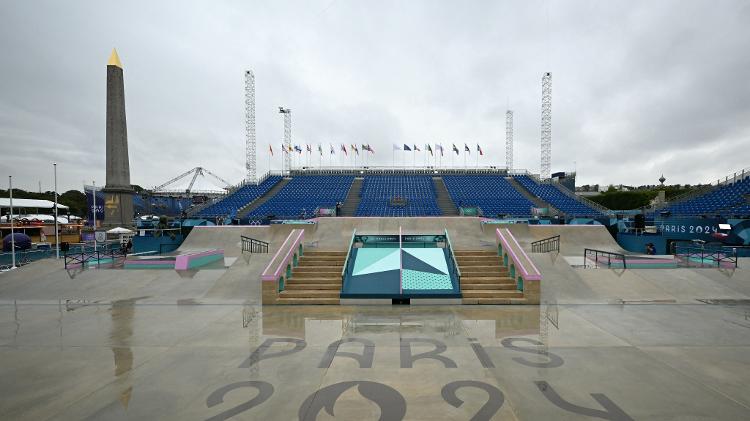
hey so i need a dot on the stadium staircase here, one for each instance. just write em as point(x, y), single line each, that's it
point(484, 280)
point(444, 201)
point(316, 279)
point(538, 202)
point(245, 210)
point(353, 198)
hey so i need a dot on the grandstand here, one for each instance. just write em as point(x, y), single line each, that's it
point(303, 195)
point(727, 199)
point(393, 193)
point(230, 204)
point(398, 195)
point(551, 194)
point(493, 194)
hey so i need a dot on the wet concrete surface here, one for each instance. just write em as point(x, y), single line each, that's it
point(158, 344)
point(139, 359)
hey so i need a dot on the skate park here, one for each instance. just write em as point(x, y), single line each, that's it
point(354, 246)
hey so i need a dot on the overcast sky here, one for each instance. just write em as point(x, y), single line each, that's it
point(639, 87)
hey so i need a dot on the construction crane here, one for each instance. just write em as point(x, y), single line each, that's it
point(224, 185)
point(287, 137)
point(250, 145)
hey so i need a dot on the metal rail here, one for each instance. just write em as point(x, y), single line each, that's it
point(86, 256)
point(346, 260)
point(452, 256)
point(711, 255)
point(609, 255)
point(546, 245)
point(252, 245)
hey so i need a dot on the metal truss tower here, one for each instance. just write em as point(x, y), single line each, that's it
point(545, 167)
point(509, 140)
point(250, 146)
point(287, 138)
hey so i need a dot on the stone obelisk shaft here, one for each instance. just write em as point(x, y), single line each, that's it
point(118, 202)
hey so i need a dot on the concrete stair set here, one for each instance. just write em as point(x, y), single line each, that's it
point(316, 279)
point(484, 280)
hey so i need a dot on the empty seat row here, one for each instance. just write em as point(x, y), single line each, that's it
point(229, 205)
point(398, 196)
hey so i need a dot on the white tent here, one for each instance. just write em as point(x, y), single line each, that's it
point(119, 230)
point(30, 204)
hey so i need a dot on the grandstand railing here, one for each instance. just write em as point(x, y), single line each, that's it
point(251, 245)
point(452, 260)
point(586, 201)
point(402, 170)
point(546, 245)
point(604, 257)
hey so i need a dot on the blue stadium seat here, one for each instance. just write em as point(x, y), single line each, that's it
point(726, 199)
point(228, 206)
point(303, 195)
point(491, 193)
point(552, 195)
point(379, 191)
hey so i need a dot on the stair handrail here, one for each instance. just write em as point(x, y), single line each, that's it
point(253, 245)
point(546, 245)
point(346, 260)
point(608, 254)
point(519, 257)
point(295, 238)
point(453, 258)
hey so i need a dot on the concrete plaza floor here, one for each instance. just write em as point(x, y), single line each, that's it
point(151, 357)
point(671, 344)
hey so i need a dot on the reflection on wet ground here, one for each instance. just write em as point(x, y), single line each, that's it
point(136, 359)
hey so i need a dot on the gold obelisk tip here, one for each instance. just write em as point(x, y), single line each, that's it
point(114, 59)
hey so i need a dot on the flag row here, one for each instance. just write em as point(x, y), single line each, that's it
point(346, 149)
point(438, 148)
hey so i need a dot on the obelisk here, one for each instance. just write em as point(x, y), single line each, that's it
point(118, 192)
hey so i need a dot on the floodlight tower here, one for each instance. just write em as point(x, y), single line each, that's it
point(250, 144)
point(544, 169)
point(509, 140)
point(287, 137)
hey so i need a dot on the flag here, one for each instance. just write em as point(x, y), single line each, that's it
point(298, 148)
point(291, 149)
point(429, 149)
point(406, 147)
point(466, 148)
point(439, 146)
point(455, 149)
point(416, 148)
point(370, 149)
point(284, 149)
point(332, 151)
point(354, 147)
point(309, 148)
point(479, 150)
point(270, 149)
point(343, 148)
point(396, 147)
point(320, 149)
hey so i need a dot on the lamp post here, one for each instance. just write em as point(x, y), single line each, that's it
point(57, 231)
point(93, 210)
point(12, 232)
